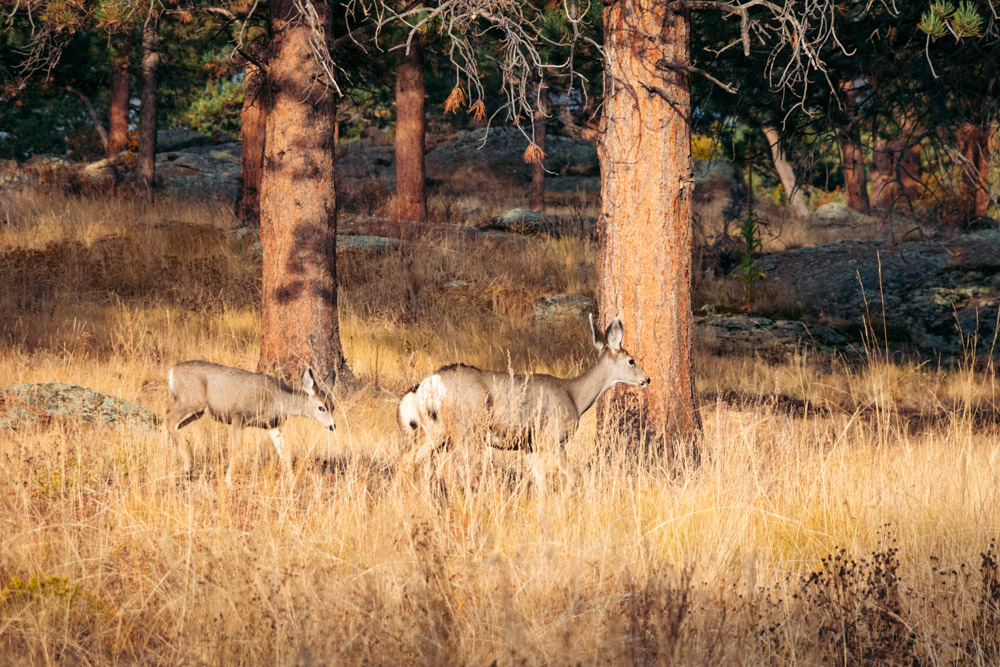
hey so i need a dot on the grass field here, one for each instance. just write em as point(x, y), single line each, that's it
point(856, 529)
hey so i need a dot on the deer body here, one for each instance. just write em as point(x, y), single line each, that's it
point(239, 398)
point(458, 398)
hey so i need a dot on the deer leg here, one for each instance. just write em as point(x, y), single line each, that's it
point(234, 446)
point(279, 447)
point(178, 418)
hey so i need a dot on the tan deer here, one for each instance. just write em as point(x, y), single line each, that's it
point(240, 398)
point(451, 403)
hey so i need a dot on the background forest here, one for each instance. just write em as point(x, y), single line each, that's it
point(792, 207)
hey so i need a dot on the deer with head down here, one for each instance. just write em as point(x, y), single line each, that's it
point(240, 398)
point(453, 401)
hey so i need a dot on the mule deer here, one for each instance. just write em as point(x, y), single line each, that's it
point(240, 398)
point(456, 398)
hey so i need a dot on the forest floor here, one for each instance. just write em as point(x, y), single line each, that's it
point(858, 528)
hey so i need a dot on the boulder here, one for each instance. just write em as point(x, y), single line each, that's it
point(524, 221)
point(744, 333)
point(559, 306)
point(201, 171)
point(27, 404)
point(934, 295)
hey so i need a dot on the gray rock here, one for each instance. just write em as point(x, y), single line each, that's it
point(363, 243)
point(26, 404)
point(934, 295)
point(524, 221)
point(179, 139)
point(746, 333)
point(498, 154)
point(838, 214)
point(201, 171)
point(558, 306)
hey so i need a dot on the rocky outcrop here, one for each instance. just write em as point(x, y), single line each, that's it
point(745, 333)
point(201, 170)
point(524, 221)
point(38, 404)
point(933, 295)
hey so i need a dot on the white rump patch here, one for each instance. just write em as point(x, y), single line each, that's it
point(431, 394)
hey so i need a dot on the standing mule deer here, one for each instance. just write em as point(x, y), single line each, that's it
point(456, 399)
point(240, 398)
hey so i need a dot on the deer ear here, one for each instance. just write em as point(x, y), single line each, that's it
point(614, 335)
point(309, 382)
point(595, 334)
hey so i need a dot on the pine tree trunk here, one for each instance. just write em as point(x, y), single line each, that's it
point(852, 156)
point(118, 114)
point(536, 201)
point(148, 100)
point(645, 225)
point(974, 193)
point(298, 213)
point(796, 200)
point(411, 194)
point(252, 127)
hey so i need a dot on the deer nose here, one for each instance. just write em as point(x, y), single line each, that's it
point(331, 427)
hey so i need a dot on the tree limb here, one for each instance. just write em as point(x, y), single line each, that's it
point(103, 133)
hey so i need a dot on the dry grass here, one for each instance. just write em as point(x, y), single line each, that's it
point(105, 557)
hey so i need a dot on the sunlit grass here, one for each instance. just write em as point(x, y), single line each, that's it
point(106, 556)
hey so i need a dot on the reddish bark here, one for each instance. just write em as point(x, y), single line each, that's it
point(852, 156)
point(252, 128)
point(645, 224)
point(149, 100)
point(536, 200)
point(411, 193)
point(298, 214)
point(118, 115)
point(974, 193)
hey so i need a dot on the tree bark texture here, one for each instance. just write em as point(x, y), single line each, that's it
point(298, 214)
point(974, 192)
point(411, 192)
point(796, 200)
point(118, 114)
point(645, 225)
point(536, 200)
point(852, 156)
point(149, 100)
point(253, 118)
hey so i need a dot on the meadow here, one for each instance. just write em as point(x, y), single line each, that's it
point(858, 528)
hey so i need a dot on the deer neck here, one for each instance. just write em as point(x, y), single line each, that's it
point(588, 387)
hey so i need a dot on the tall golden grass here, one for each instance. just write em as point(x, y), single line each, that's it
point(854, 529)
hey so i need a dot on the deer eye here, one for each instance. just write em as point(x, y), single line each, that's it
point(631, 362)
point(322, 408)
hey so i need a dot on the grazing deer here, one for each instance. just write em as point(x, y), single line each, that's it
point(457, 398)
point(240, 398)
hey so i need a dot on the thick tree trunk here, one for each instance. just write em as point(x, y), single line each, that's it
point(796, 200)
point(974, 193)
point(118, 115)
point(253, 118)
point(645, 225)
point(148, 100)
point(298, 213)
point(852, 156)
point(411, 193)
point(536, 201)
